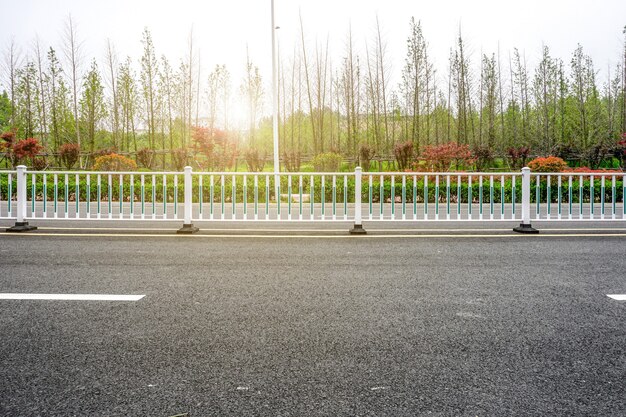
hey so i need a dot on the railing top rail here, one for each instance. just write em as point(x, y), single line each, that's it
point(451, 174)
point(348, 173)
point(576, 174)
point(271, 174)
point(147, 173)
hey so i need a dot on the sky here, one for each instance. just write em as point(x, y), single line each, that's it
point(223, 30)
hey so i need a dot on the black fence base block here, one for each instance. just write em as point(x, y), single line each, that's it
point(187, 229)
point(21, 227)
point(358, 230)
point(525, 228)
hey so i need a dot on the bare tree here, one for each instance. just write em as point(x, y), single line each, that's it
point(624, 85)
point(212, 92)
point(350, 82)
point(520, 74)
point(11, 63)
point(43, 117)
point(149, 74)
point(191, 60)
point(252, 91)
point(128, 96)
point(383, 70)
point(72, 49)
point(489, 98)
point(308, 85)
point(112, 64)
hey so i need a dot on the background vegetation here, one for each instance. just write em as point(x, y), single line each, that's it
point(492, 111)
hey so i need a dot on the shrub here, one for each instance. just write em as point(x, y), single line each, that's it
point(566, 151)
point(620, 150)
point(26, 148)
point(145, 157)
point(442, 157)
point(483, 156)
point(403, 152)
point(219, 151)
point(179, 158)
point(254, 159)
point(114, 162)
point(292, 161)
point(366, 154)
point(547, 164)
point(327, 162)
point(7, 140)
point(518, 156)
point(595, 154)
point(69, 154)
point(104, 151)
point(40, 163)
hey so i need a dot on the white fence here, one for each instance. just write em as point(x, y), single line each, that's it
point(355, 196)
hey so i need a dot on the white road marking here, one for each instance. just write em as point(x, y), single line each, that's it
point(618, 297)
point(71, 297)
point(378, 388)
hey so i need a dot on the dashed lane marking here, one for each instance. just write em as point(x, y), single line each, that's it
point(71, 297)
point(618, 297)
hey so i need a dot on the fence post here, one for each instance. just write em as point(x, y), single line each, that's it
point(188, 227)
point(525, 226)
point(21, 225)
point(358, 221)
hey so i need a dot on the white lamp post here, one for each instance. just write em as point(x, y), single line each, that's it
point(274, 95)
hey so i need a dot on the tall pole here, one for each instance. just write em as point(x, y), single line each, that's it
point(274, 95)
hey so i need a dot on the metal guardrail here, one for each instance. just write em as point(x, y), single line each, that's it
point(355, 196)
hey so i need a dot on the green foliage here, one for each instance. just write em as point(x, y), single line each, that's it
point(5, 111)
point(327, 162)
point(92, 105)
point(560, 107)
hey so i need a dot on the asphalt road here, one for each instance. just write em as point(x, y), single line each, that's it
point(314, 325)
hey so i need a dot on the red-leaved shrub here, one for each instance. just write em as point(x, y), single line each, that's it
point(69, 154)
point(442, 157)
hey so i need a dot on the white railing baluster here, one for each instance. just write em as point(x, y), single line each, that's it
point(99, 196)
point(345, 197)
point(56, 196)
point(143, 197)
